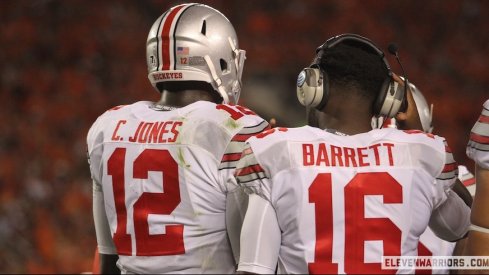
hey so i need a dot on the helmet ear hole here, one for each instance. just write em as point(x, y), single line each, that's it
point(204, 28)
point(224, 65)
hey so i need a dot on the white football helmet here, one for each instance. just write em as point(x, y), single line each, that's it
point(425, 111)
point(194, 42)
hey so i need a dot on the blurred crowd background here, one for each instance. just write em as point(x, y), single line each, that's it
point(63, 63)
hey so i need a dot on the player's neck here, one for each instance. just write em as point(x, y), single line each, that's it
point(345, 125)
point(346, 117)
point(184, 98)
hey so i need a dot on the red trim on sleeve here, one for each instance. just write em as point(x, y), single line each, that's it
point(484, 119)
point(450, 167)
point(468, 182)
point(249, 170)
point(479, 138)
point(231, 157)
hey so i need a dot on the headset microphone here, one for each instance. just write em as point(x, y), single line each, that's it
point(393, 49)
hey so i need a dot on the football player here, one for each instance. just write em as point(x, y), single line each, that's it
point(160, 169)
point(478, 150)
point(419, 116)
point(336, 196)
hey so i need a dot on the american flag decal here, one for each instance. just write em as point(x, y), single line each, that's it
point(182, 50)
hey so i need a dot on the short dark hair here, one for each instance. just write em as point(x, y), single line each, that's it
point(354, 67)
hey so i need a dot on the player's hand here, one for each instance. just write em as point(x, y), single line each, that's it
point(272, 122)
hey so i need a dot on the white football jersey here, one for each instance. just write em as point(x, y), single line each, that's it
point(478, 146)
point(343, 202)
point(162, 173)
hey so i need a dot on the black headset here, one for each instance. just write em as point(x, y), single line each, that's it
point(313, 86)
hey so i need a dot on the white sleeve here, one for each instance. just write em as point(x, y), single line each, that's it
point(451, 220)
point(102, 229)
point(447, 177)
point(260, 238)
point(236, 204)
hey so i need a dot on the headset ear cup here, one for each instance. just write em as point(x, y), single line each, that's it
point(390, 99)
point(310, 87)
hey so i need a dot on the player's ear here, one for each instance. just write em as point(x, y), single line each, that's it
point(401, 116)
point(273, 122)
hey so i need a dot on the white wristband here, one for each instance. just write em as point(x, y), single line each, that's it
point(477, 228)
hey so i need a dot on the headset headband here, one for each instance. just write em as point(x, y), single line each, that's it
point(333, 41)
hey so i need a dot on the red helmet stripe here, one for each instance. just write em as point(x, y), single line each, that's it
point(166, 39)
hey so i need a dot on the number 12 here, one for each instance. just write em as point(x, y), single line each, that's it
point(170, 243)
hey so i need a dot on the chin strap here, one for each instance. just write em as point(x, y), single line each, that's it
point(477, 228)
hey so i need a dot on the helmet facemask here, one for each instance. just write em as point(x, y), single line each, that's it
point(425, 110)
